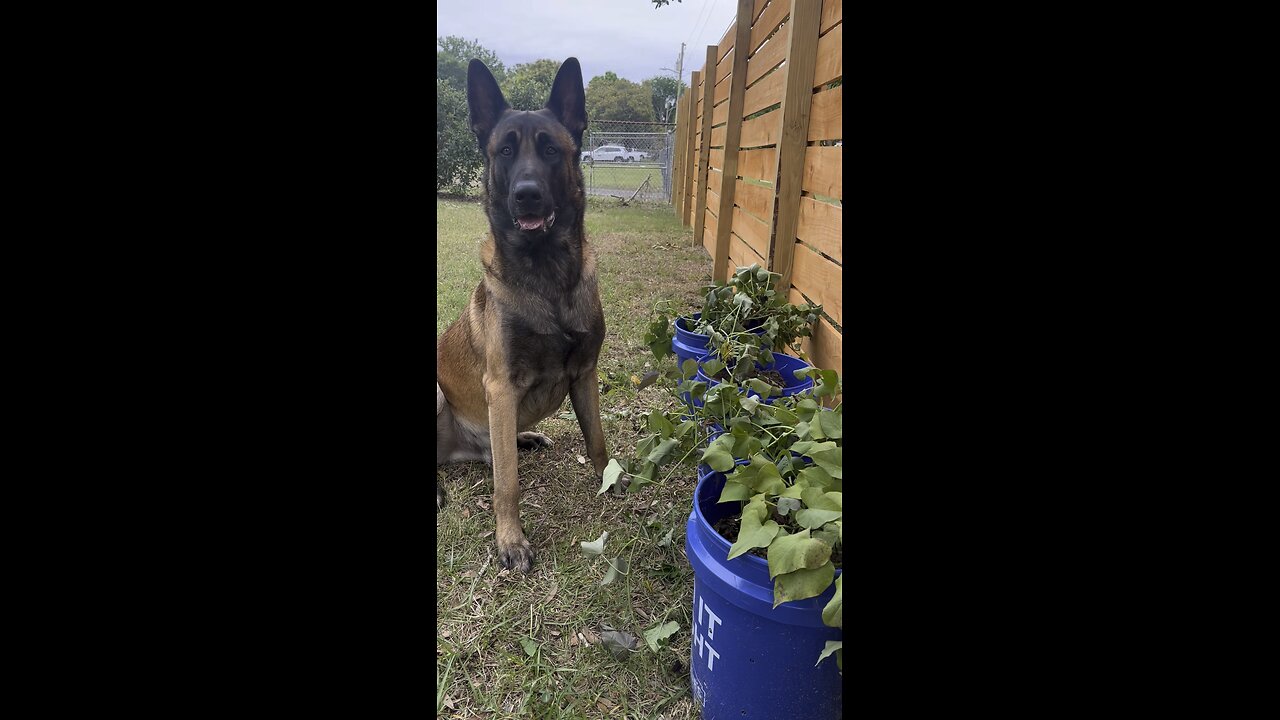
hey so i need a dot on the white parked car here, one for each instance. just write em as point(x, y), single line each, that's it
point(614, 153)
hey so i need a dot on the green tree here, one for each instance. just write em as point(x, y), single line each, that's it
point(610, 97)
point(528, 86)
point(458, 159)
point(451, 70)
point(464, 51)
point(662, 92)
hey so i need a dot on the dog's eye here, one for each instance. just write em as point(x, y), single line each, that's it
point(505, 152)
point(551, 150)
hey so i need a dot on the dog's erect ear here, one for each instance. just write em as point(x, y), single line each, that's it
point(485, 101)
point(568, 103)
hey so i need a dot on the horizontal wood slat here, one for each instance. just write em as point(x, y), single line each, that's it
point(724, 70)
point(825, 115)
point(752, 231)
point(819, 279)
point(830, 57)
point(769, 19)
point(720, 114)
point(726, 44)
point(823, 171)
point(756, 9)
point(763, 130)
point(764, 93)
point(832, 13)
point(820, 227)
point(768, 56)
point(755, 199)
point(759, 164)
point(714, 178)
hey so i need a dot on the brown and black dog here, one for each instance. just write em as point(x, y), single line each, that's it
point(532, 331)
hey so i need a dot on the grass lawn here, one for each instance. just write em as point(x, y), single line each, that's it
point(515, 646)
point(626, 176)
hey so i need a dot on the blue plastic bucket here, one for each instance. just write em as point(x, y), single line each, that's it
point(784, 364)
point(689, 345)
point(750, 659)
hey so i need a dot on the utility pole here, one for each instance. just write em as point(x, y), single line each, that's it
point(680, 73)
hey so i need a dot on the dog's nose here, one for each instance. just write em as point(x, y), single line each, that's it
point(527, 192)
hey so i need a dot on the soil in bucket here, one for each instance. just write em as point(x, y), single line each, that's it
point(729, 525)
point(772, 377)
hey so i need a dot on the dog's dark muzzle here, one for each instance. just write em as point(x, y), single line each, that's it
point(529, 207)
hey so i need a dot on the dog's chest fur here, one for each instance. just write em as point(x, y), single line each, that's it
point(551, 342)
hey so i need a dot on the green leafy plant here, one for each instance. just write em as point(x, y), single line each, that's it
point(790, 485)
point(744, 320)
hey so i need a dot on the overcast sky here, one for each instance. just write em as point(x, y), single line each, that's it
point(629, 37)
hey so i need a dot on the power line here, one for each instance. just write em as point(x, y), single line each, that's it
point(711, 9)
point(695, 21)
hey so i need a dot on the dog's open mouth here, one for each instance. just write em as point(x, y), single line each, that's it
point(533, 222)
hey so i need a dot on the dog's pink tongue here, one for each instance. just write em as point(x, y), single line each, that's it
point(529, 223)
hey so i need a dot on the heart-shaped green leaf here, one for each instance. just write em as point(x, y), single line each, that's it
point(802, 584)
point(656, 634)
point(734, 491)
point(813, 476)
point(610, 475)
point(617, 567)
point(787, 505)
point(796, 552)
point(831, 646)
point(832, 424)
point(754, 531)
point(815, 498)
point(833, 613)
point(596, 546)
point(811, 518)
point(717, 457)
point(663, 451)
point(659, 424)
point(688, 368)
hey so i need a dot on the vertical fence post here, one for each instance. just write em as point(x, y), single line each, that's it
point(708, 100)
point(677, 158)
point(802, 54)
point(732, 136)
point(689, 163)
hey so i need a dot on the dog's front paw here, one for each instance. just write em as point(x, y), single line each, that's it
point(441, 499)
point(516, 554)
point(532, 441)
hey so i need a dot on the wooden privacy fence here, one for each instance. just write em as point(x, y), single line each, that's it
point(760, 178)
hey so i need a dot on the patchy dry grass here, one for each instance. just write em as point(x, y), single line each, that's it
point(483, 670)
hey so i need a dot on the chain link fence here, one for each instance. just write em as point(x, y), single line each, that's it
point(629, 160)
